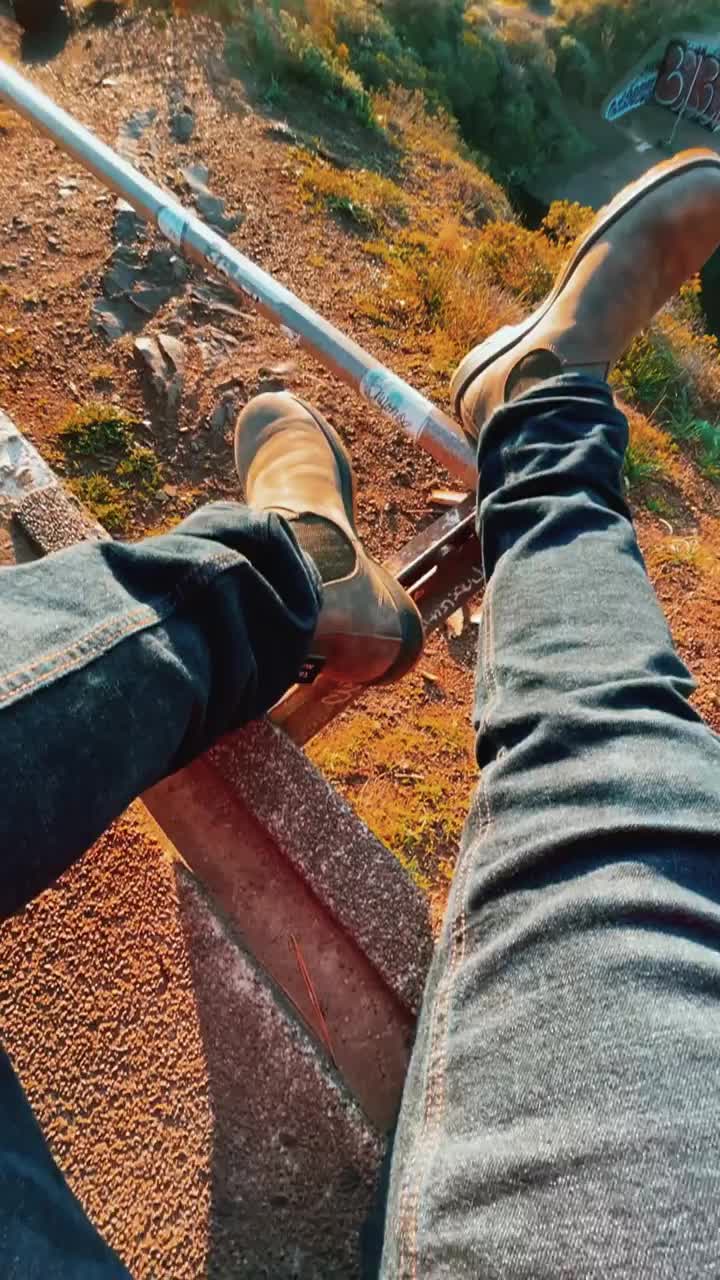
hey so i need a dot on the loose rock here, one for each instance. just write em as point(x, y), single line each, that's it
point(225, 411)
point(163, 359)
point(128, 226)
point(182, 124)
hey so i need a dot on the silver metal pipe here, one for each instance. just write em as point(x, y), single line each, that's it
point(433, 430)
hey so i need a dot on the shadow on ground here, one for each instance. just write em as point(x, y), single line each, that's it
point(43, 46)
point(292, 109)
point(285, 1204)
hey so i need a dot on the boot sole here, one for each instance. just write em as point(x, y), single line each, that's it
point(412, 632)
point(486, 353)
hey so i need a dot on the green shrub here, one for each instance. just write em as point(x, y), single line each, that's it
point(376, 51)
point(283, 46)
point(708, 438)
point(432, 27)
point(611, 36)
point(578, 71)
point(501, 86)
point(651, 376)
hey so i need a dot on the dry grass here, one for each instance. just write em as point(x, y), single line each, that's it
point(697, 355)
point(651, 453)
point(684, 553)
point(438, 165)
point(365, 199)
point(410, 784)
point(457, 287)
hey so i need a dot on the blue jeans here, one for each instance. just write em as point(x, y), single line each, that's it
point(562, 1111)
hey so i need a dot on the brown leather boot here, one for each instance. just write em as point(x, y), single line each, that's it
point(291, 461)
point(656, 234)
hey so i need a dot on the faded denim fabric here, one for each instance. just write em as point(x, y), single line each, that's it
point(562, 1112)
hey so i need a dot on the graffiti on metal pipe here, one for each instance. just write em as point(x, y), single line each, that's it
point(407, 406)
point(175, 223)
point(689, 82)
point(454, 598)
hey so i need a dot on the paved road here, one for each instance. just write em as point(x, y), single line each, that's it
point(619, 153)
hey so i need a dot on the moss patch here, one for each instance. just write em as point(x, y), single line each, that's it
point(16, 351)
point(112, 473)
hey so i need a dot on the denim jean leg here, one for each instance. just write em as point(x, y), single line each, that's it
point(562, 1112)
point(119, 663)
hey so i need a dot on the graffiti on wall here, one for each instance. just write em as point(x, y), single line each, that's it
point(689, 82)
point(635, 94)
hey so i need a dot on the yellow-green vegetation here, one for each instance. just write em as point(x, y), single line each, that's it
point(650, 455)
point(365, 199)
point(105, 500)
point(101, 373)
point(457, 287)
point(16, 350)
point(410, 783)
point(437, 165)
point(498, 81)
point(501, 77)
point(464, 96)
point(683, 553)
point(672, 372)
point(446, 290)
point(300, 47)
point(112, 473)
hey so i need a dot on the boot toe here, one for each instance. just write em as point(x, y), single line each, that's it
point(267, 410)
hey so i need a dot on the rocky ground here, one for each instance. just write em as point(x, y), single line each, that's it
point(93, 308)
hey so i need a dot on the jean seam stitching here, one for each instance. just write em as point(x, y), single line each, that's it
point(436, 1074)
point(89, 645)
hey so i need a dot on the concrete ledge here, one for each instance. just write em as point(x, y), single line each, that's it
point(353, 874)
point(365, 1030)
point(186, 1103)
point(21, 467)
point(298, 1161)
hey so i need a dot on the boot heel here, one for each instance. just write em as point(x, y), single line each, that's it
point(483, 355)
